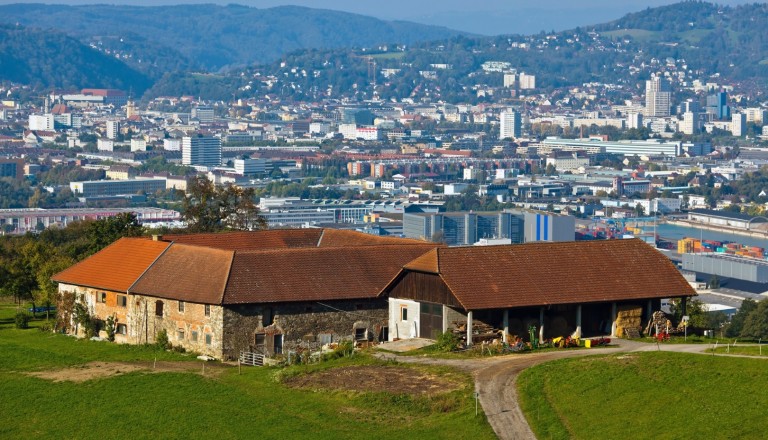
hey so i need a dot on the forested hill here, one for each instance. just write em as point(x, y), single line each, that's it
point(692, 40)
point(729, 40)
point(45, 59)
point(213, 37)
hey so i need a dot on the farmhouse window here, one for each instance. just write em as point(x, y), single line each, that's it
point(180, 334)
point(267, 317)
point(122, 329)
point(122, 301)
point(159, 309)
point(403, 313)
point(261, 339)
point(207, 310)
point(102, 297)
point(181, 306)
point(193, 336)
point(208, 339)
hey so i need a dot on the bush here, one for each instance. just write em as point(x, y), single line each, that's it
point(22, 320)
point(109, 327)
point(447, 341)
point(161, 339)
point(343, 349)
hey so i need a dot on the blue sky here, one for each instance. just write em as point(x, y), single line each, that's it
point(488, 17)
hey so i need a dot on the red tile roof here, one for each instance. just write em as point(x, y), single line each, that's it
point(287, 238)
point(252, 240)
point(235, 267)
point(490, 277)
point(342, 238)
point(188, 273)
point(115, 267)
point(315, 274)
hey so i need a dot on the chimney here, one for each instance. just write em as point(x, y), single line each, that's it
point(157, 238)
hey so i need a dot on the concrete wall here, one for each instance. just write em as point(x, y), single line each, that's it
point(399, 328)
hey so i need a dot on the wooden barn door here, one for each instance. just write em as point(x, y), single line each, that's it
point(430, 320)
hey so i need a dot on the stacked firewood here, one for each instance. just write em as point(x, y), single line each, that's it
point(659, 322)
point(480, 331)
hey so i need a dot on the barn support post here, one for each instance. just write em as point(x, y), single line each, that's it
point(577, 333)
point(469, 328)
point(684, 305)
point(541, 323)
point(504, 337)
point(650, 309)
point(614, 315)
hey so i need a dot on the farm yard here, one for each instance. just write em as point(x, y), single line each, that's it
point(59, 386)
point(55, 386)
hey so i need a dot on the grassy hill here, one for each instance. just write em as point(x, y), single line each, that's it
point(47, 59)
point(55, 386)
point(646, 395)
point(214, 37)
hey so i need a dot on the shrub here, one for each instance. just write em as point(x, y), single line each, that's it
point(161, 339)
point(343, 349)
point(22, 320)
point(447, 341)
point(109, 327)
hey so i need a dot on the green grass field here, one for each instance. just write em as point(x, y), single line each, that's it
point(647, 395)
point(254, 404)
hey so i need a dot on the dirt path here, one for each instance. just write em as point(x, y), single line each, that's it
point(495, 379)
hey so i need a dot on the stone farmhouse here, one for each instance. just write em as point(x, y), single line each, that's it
point(276, 290)
point(219, 294)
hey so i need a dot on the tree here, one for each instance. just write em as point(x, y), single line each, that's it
point(756, 323)
point(209, 208)
point(104, 232)
point(737, 321)
point(694, 309)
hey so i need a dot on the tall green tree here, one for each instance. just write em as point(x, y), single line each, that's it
point(756, 323)
point(209, 208)
point(737, 321)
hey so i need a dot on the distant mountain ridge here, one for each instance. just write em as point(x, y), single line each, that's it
point(213, 37)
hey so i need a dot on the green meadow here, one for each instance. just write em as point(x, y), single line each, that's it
point(647, 395)
point(220, 404)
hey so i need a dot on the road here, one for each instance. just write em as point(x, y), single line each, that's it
point(495, 379)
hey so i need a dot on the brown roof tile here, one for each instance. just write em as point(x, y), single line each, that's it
point(188, 273)
point(315, 274)
point(425, 263)
point(115, 267)
point(342, 238)
point(486, 277)
point(252, 240)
